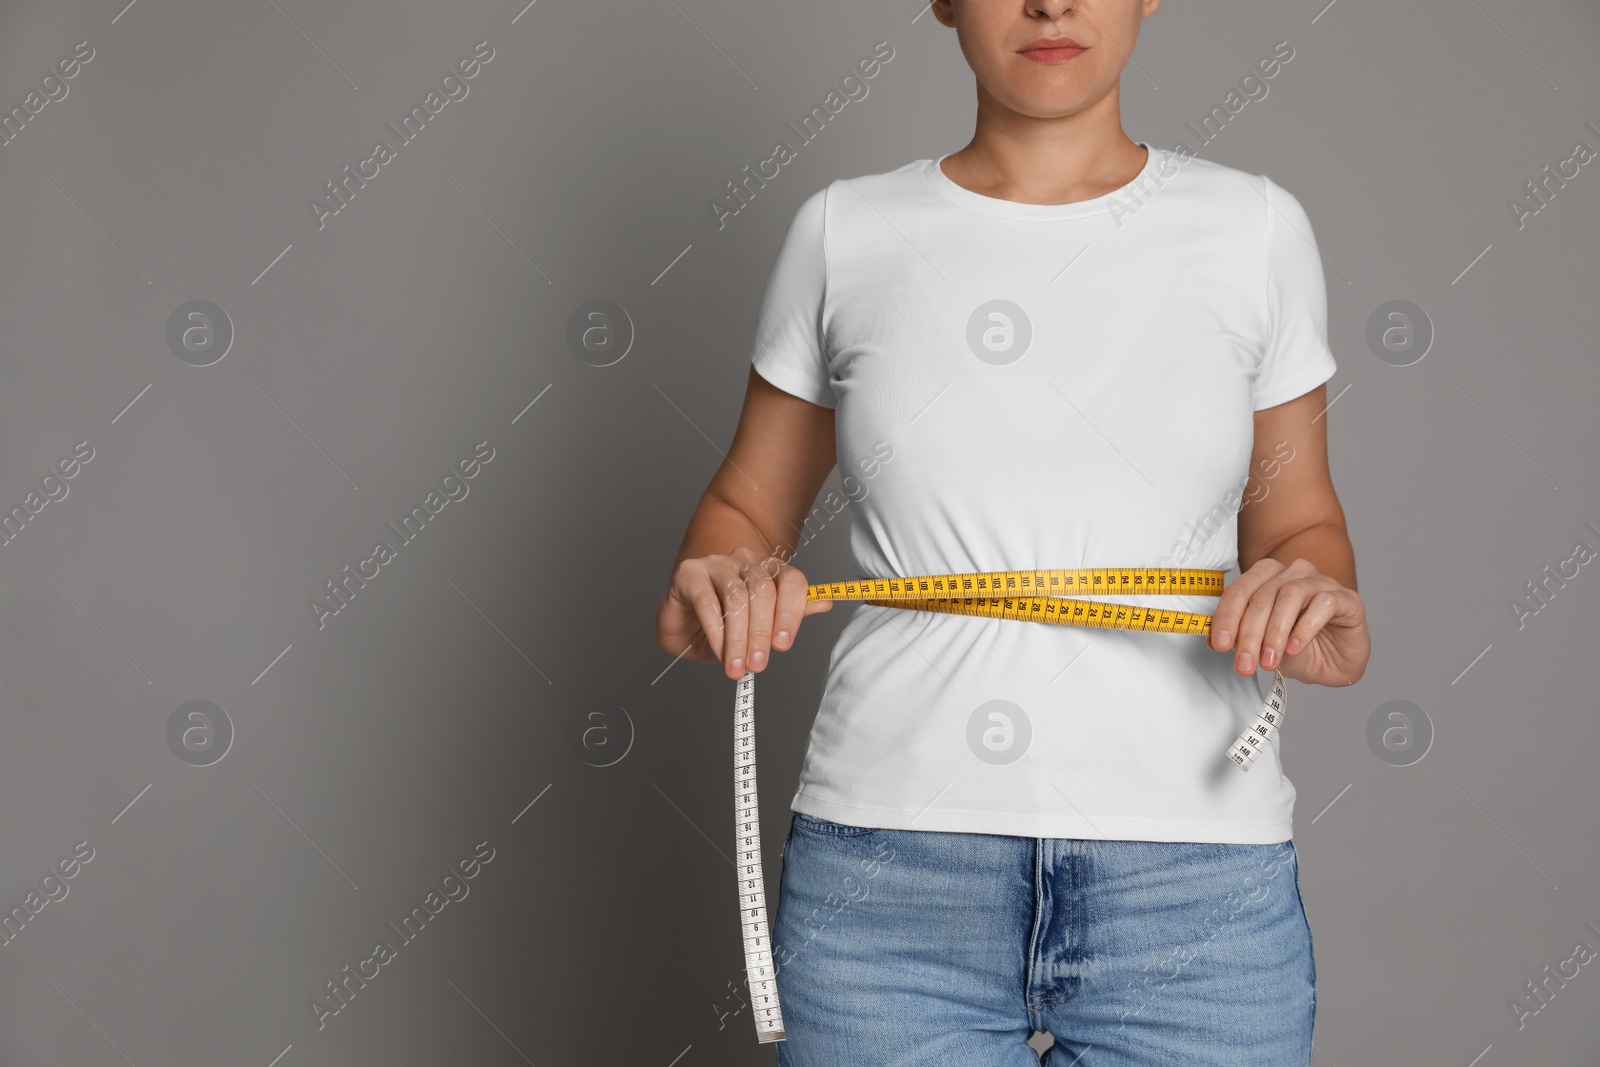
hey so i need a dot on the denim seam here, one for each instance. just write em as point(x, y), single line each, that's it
point(1030, 1001)
point(1311, 951)
point(819, 825)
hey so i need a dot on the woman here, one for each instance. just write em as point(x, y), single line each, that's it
point(1056, 347)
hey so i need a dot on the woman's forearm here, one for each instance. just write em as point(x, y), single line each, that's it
point(1325, 545)
point(717, 528)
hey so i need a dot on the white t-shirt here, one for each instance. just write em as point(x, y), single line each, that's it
point(1065, 385)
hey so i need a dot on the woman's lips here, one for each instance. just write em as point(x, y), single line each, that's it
point(1053, 55)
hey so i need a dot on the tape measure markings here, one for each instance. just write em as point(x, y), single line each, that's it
point(760, 975)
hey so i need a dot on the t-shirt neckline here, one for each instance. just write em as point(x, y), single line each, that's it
point(941, 183)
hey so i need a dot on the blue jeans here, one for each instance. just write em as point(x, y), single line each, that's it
point(941, 949)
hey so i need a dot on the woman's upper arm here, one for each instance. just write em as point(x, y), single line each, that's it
point(1290, 487)
point(782, 452)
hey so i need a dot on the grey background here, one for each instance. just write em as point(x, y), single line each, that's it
point(448, 703)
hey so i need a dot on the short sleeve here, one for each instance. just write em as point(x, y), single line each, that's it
point(1296, 357)
point(789, 351)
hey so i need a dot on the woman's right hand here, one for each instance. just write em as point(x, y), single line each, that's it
point(733, 608)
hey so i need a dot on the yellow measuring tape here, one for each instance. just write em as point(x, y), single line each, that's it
point(1049, 596)
point(1043, 595)
point(1029, 596)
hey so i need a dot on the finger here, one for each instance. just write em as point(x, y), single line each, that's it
point(1253, 625)
point(1319, 611)
point(763, 599)
point(677, 629)
point(701, 594)
point(1225, 621)
point(791, 607)
point(735, 623)
point(1292, 600)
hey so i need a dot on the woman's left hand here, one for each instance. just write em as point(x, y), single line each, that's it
point(1293, 618)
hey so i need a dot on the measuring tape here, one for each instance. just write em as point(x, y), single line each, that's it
point(1029, 596)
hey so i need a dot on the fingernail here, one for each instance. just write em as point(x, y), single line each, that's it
point(1294, 645)
point(1221, 637)
point(756, 658)
point(783, 635)
point(738, 666)
point(1266, 656)
point(1245, 662)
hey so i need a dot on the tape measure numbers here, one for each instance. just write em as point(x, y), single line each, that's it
point(1031, 596)
point(760, 975)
